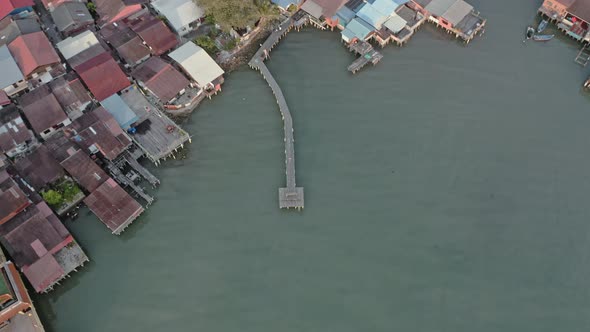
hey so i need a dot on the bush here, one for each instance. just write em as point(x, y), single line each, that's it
point(69, 191)
point(231, 44)
point(207, 43)
point(53, 198)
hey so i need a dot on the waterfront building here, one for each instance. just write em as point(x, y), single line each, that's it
point(183, 15)
point(43, 111)
point(11, 28)
point(12, 80)
point(113, 206)
point(12, 199)
point(73, 45)
point(71, 17)
point(199, 66)
point(555, 9)
point(34, 55)
point(17, 313)
point(455, 16)
point(83, 169)
point(15, 137)
point(161, 80)
point(15, 7)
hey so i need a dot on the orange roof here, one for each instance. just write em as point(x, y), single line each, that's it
point(32, 51)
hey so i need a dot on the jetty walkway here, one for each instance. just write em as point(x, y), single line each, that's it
point(290, 196)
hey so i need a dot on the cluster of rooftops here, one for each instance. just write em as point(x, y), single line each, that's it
point(81, 99)
point(387, 21)
point(571, 16)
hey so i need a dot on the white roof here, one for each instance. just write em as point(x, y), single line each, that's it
point(76, 44)
point(395, 23)
point(179, 13)
point(9, 69)
point(197, 63)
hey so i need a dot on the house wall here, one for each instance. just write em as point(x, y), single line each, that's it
point(552, 7)
point(17, 87)
point(50, 131)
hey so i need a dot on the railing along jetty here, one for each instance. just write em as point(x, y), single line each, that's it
point(290, 196)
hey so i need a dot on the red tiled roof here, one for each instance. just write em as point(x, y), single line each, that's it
point(581, 9)
point(113, 206)
point(103, 76)
point(42, 109)
point(43, 273)
point(154, 33)
point(84, 170)
point(161, 78)
point(7, 6)
point(32, 51)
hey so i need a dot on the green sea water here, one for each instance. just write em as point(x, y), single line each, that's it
point(446, 189)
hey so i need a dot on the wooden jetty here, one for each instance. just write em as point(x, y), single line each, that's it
point(367, 55)
point(290, 196)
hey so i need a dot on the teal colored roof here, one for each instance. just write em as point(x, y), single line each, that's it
point(385, 7)
point(344, 15)
point(124, 116)
point(357, 28)
point(371, 15)
point(347, 35)
point(401, 2)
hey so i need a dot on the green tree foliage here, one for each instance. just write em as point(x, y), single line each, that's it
point(238, 13)
point(53, 198)
point(69, 190)
point(207, 43)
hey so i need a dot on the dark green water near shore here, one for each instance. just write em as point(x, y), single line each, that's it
point(446, 189)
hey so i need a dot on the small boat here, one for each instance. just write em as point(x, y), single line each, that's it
point(530, 32)
point(543, 38)
point(542, 25)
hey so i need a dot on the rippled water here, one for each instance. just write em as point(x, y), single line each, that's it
point(446, 189)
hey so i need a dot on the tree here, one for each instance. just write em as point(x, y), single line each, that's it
point(53, 198)
point(231, 13)
point(69, 190)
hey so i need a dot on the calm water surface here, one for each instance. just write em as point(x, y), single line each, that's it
point(446, 189)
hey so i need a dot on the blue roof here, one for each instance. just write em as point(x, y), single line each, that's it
point(124, 116)
point(357, 28)
point(345, 15)
point(372, 16)
point(401, 2)
point(285, 3)
point(385, 7)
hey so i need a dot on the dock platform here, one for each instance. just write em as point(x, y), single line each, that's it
point(367, 55)
point(290, 196)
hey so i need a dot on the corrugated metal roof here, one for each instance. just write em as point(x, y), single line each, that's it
point(161, 78)
point(32, 51)
point(197, 63)
point(71, 14)
point(10, 71)
point(124, 116)
point(312, 8)
point(385, 7)
point(395, 23)
point(345, 15)
point(348, 35)
point(76, 44)
point(180, 13)
point(439, 7)
point(457, 12)
point(359, 28)
point(372, 16)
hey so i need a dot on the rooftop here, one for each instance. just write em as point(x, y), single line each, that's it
point(10, 71)
point(7, 6)
point(42, 109)
point(110, 11)
point(581, 9)
point(11, 28)
point(103, 76)
point(39, 168)
point(76, 44)
point(13, 131)
point(124, 116)
point(70, 93)
point(197, 63)
point(12, 198)
point(84, 170)
point(154, 33)
point(180, 13)
point(32, 51)
point(163, 80)
point(70, 14)
point(113, 206)
point(127, 43)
